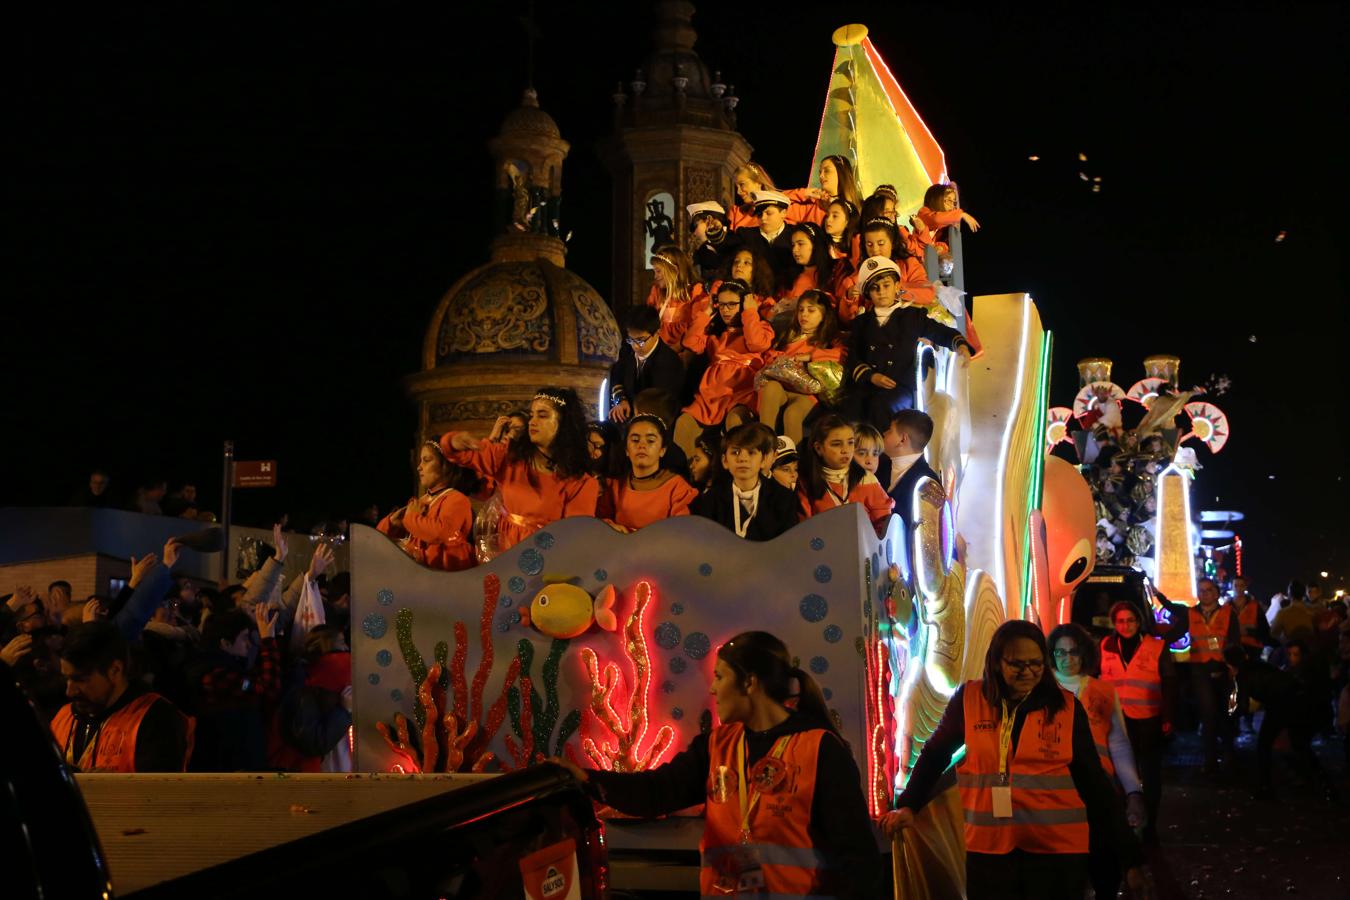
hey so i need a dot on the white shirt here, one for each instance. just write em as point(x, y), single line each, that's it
point(900, 465)
point(773, 237)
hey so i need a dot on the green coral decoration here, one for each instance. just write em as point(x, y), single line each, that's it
point(533, 717)
point(412, 658)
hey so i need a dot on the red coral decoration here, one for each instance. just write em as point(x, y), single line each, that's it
point(627, 756)
point(443, 746)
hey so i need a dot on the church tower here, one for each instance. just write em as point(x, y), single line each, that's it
point(674, 143)
point(523, 320)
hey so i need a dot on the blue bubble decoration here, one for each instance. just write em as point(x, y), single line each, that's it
point(516, 584)
point(373, 678)
point(544, 540)
point(678, 664)
point(697, 645)
point(677, 609)
point(668, 687)
point(374, 626)
point(823, 574)
point(384, 658)
point(819, 665)
point(667, 635)
point(396, 695)
point(677, 714)
point(705, 570)
point(385, 597)
point(833, 633)
point(814, 608)
point(531, 562)
point(829, 694)
point(817, 543)
point(601, 575)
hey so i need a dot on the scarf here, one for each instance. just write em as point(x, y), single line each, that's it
point(835, 476)
point(899, 466)
point(747, 504)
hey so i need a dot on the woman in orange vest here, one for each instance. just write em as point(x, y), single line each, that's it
point(436, 528)
point(1030, 781)
point(784, 814)
point(1214, 627)
point(1075, 654)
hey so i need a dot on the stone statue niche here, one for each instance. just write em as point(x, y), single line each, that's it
point(523, 205)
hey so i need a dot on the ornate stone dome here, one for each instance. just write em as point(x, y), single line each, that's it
point(528, 118)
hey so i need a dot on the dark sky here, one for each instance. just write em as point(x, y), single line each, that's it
point(235, 221)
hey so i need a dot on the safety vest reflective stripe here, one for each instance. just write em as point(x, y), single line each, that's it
point(789, 862)
point(1028, 817)
point(1099, 702)
point(113, 748)
point(770, 854)
point(1048, 815)
point(1138, 685)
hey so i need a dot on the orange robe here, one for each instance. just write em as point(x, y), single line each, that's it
point(676, 314)
point(869, 492)
point(621, 505)
point(833, 353)
point(742, 216)
point(440, 538)
point(734, 356)
point(529, 507)
point(936, 222)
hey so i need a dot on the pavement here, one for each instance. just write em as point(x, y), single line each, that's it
point(1221, 838)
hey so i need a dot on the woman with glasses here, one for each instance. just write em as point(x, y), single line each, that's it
point(1075, 654)
point(1030, 780)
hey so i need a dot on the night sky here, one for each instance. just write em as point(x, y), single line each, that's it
point(233, 221)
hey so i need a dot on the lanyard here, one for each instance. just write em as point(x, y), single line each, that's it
point(748, 803)
point(1005, 730)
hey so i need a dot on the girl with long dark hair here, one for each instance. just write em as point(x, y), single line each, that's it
point(811, 336)
point(435, 528)
point(880, 237)
point(812, 268)
point(829, 476)
point(1029, 782)
point(542, 471)
point(648, 492)
point(784, 813)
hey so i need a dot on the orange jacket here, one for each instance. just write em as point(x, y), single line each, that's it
point(778, 790)
point(1139, 685)
point(868, 492)
point(1247, 624)
point(442, 537)
point(1048, 815)
point(113, 747)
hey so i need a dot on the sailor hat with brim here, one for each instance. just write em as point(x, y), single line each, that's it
point(876, 266)
point(707, 206)
point(771, 198)
point(785, 452)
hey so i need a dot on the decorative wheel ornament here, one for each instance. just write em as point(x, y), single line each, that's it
point(1088, 397)
point(1057, 425)
point(1144, 390)
point(1209, 424)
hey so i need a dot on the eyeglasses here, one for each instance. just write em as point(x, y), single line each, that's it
point(637, 341)
point(1061, 654)
point(1025, 665)
point(736, 305)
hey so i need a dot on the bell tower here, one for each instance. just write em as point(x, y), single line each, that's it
point(674, 143)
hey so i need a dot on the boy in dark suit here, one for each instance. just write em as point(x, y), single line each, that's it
point(903, 465)
point(770, 239)
point(648, 375)
point(742, 497)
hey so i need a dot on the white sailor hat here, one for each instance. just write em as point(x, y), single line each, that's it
point(784, 452)
point(874, 266)
point(763, 198)
point(707, 206)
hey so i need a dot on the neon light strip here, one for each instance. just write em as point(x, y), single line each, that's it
point(1036, 484)
point(824, 111)
point(603, 405)
point(1000, 566)
point(921, 347)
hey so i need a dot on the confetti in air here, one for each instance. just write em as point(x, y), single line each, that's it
point(1082, 176)
point(1034, 158)
point(1279, 238)
point(1082, 157)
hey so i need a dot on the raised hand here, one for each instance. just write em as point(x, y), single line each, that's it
point(279, 543)
point(16, 649)
point(320, 561)
point(141, 567)
point(171, 551)
point(21, 597)
point(622, 411)
point(499, 429)
point(970, 221)
point(266, 617)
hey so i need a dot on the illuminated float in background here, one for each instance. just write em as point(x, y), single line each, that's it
point(497, 667)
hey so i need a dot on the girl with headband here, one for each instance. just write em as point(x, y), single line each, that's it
point(649, 492)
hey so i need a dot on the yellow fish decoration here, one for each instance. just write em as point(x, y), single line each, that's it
point(564, 610)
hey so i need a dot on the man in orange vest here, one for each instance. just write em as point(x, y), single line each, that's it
point(1213, 629)
point(111, 724)
point(1254, 633)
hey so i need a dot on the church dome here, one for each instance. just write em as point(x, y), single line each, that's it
point(529, 119)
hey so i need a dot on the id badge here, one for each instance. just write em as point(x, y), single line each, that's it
point(1212, 643)
point(1002, 802)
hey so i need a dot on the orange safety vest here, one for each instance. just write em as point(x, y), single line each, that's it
point(1247, 620)
point(1099, 702)
point(1048, 815)
point(1138, 685)
point(1208, 638)
point(113, 747)
point(778, 790)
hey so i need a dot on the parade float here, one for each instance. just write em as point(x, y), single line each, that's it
point(598, 646)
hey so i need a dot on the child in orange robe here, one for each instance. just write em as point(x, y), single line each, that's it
point(813, 336)
point(674, 292)
point(649, 493)
point(435, 529)
point(829, 476)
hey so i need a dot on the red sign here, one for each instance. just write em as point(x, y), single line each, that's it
point(255, 473)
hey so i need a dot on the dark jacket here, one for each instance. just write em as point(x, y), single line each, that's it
point(903, 492)
point(890, 349)
point(839, 824)
point(713, 254)
point(663, 371)
point(775, 513)
point(778, 254)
